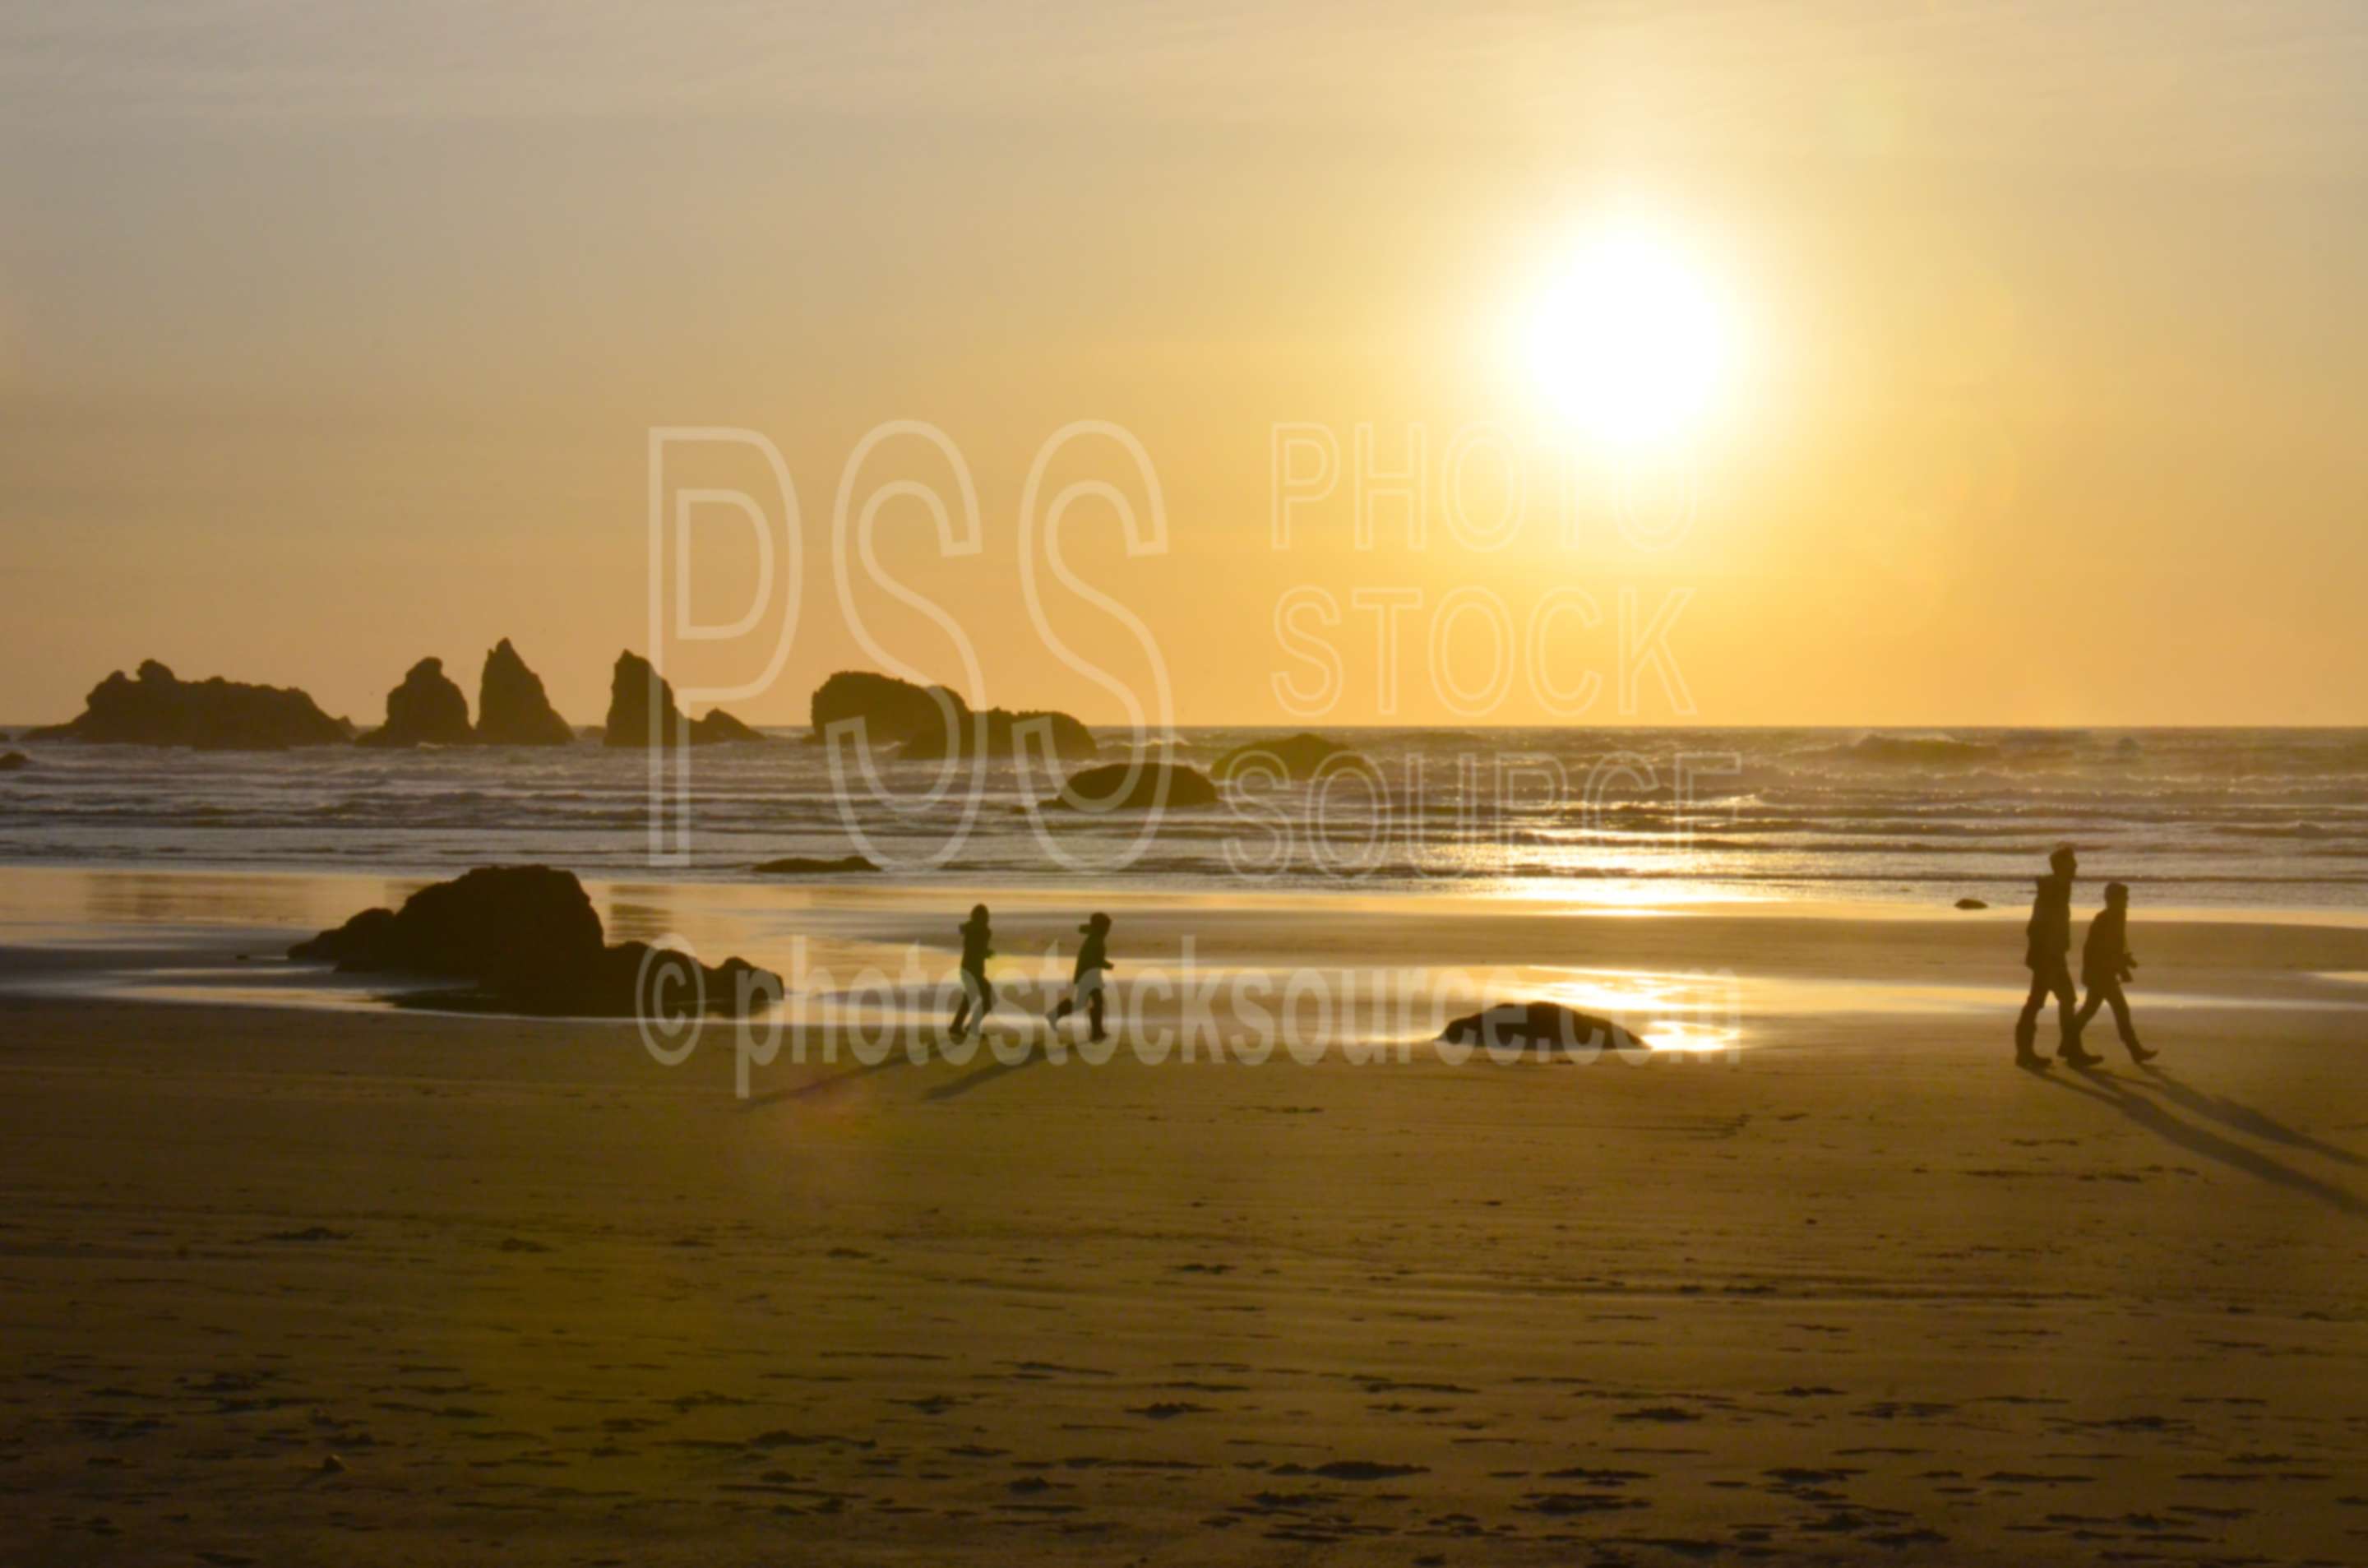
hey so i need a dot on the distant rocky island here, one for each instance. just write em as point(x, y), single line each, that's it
point(156, 708)
point(897, 719)
point(512, 710)
point(642, 712)
point(929, 723)
point(427, 708)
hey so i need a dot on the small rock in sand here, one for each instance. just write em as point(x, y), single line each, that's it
point(1538, 1026)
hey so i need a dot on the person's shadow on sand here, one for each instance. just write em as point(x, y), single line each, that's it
point(820, 1087)
point(2107, 1089)
point(984, 1072)
point(2243, 1118)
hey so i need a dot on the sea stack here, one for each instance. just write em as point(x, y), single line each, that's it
point(642, 712)
point(1134, 787)
point(512, 708)
point(641, 707)
point(427, 709)
point(159, 708)
point(715, 727)
point(931, 723)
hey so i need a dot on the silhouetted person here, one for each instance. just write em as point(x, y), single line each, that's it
point(976, 993)
point(2048, 956)
point(2106, 962)
point(1086, 980)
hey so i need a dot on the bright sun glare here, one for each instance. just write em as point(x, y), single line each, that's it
point(1630, 344)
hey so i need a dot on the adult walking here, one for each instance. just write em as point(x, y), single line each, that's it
point(2048, 954)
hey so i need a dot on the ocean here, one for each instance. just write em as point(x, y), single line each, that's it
point(2274, 819)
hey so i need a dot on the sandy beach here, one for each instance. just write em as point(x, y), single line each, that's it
point(290, 1284)
point(1586, 627)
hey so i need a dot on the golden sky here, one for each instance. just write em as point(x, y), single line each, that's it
point(331, 337)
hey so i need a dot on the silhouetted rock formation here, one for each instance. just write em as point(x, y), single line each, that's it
point(427, 709)
point(512, 708)
point(527, 937)
point(641, 707)
point(1540, 1026)
point(15, 760)
point(897, 712)
point(719, 726)
point(1299, 756)
point(1000, 732)
point(892, 711)
point(801, 866)
point(1130, 786)
point(642, 712)
point(1970, 904)
point(160, 710)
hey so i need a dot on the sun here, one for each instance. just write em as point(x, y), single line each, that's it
point(1631, 343)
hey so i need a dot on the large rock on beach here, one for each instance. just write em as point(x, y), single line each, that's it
point(157, 708)
point(527, 937)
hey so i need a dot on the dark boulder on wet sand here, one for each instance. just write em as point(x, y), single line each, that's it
point(1542, 1027)
point(159, 708)
point(427, 709)
point(1134, 787)
point(527, 937)
point(512, 708)
point(1970, 904)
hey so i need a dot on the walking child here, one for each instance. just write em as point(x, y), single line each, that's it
point(977, 995)
point(2106, 962)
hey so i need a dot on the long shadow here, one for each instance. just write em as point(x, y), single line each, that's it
point(985, 1074)
point(2243, 1118)
point(836, 1081)
point(2200, 1141)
